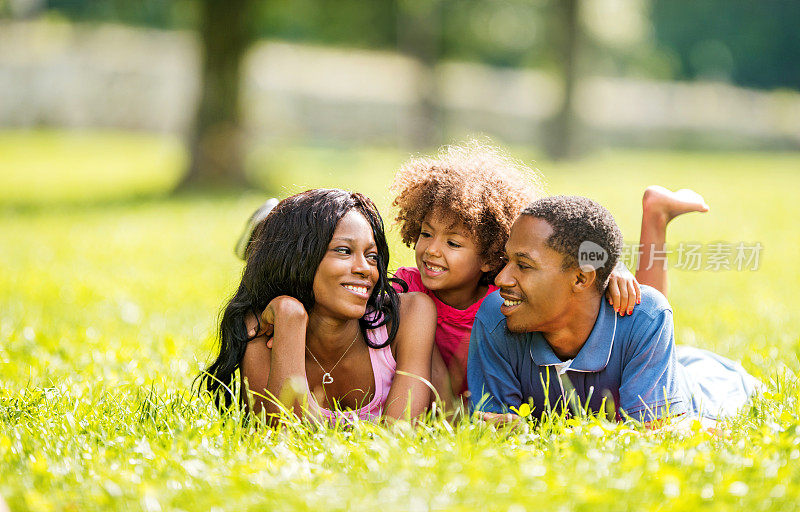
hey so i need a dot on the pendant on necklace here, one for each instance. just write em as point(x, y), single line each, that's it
point(327, 379)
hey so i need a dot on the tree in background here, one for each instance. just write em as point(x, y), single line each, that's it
point(755, 44)
point(419, 28)
point(226, 29)
point(561, 135)
point(507, 33)
point(216, 141)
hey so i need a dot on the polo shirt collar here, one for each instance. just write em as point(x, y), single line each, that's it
point(595, 353)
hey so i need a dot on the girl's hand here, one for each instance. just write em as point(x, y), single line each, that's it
point(623, 291)
point(282, 306)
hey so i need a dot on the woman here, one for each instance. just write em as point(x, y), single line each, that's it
point(331, 321)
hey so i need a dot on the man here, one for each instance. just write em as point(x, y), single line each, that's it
point(548, 339)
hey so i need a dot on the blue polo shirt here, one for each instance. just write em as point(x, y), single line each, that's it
point(629, 361)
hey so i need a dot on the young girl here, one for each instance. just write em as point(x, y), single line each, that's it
point(315, 307)
point(456, 209)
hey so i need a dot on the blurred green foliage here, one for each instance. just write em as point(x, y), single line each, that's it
point(754, 44)
point(151, 13)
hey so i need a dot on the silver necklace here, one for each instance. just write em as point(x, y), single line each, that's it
point(326, 376)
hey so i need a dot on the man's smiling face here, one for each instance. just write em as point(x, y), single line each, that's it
point(536, 289)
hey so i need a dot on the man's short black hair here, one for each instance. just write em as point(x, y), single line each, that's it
point(576, 220)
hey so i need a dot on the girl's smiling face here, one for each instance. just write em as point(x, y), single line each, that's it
point(347, 274)
point(449, 261)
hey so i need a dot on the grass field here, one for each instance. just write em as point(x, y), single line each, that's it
point(109, 292)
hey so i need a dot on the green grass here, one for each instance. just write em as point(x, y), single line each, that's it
point(109, 294)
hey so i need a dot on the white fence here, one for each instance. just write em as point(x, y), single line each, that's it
point(57, 74)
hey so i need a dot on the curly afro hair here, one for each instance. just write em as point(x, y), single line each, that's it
point(475, 184)
point(575, 220)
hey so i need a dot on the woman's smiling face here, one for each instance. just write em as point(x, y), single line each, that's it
point(347, 274)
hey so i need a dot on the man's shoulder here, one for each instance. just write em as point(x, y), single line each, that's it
point(649, 319)
point(489, 313)
point(654, 304)
point(490, 330)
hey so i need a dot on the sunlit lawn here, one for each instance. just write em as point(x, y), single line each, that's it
point(109, 292)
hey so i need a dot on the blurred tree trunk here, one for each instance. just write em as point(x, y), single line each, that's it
point(562, 131)
point(419, 27)
point(215, 144)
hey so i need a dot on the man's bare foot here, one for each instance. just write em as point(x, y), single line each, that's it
point(666, 204)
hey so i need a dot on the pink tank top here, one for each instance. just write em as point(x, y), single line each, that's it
point(383, 368)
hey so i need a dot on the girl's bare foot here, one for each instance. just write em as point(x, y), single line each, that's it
point(666, 204)
point(659, 207)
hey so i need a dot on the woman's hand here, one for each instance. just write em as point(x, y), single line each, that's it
point(270, 374)
point(282, 306)
point(623, 290)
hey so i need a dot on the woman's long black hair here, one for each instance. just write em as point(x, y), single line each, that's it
point(287, 248)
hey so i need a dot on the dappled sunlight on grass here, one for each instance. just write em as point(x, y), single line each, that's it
point(109, 303)
point(46, 166)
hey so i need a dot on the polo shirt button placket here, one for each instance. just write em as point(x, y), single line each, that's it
point(561, 371)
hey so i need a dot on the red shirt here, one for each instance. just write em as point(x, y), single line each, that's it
point(453, 327)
